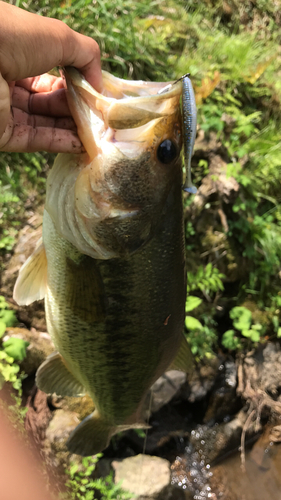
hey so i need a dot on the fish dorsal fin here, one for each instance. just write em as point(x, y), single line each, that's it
point(184, 359)
point(53, 376)
point(32, 279)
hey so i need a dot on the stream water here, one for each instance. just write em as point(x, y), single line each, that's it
point(259, 480)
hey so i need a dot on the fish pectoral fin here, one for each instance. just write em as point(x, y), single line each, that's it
point(53, 376)
point(32, 279)
point(184, 359)
point(91, 436)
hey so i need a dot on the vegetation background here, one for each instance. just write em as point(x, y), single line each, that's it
point(232, 51)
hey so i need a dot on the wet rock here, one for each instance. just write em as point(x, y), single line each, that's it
point(164, 389)
point(40, 346)
point(223, 400)
point(215, 442)
point(191, 474)
point(147, 478)
point(201, 381)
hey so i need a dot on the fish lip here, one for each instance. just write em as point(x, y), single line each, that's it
point(116, 88)
point(95, 113)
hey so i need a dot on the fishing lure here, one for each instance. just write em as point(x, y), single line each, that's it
point(189, 112)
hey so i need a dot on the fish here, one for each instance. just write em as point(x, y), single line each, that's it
point(111, 262)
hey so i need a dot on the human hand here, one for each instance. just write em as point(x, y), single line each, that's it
point(33, 109)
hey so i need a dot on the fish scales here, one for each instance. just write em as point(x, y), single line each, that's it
point(120, 327)
point(112, 265)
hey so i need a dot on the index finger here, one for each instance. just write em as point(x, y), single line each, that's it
point(42, 83)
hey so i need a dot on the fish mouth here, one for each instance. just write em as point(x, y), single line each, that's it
point(123, 106)
point(108, 201)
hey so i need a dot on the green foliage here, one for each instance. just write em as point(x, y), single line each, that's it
point(201, 335)
point(9, 368)
point(7, 317)
point(16, 348)
point(12, 351)
point(207, 279)
point(192, 302)
point(243, 324)
point(82, 486)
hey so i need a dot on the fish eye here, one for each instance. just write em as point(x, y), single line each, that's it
point(167, 151)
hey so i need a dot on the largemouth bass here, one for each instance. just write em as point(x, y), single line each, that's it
point(111, 265)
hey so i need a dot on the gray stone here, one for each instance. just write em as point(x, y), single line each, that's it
point(147, 478)
point(202, 380)
point(165, 388)
point(62, 423)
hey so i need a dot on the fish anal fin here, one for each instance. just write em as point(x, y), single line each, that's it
point(184, 359)
point(32, 279)
point(53, 376)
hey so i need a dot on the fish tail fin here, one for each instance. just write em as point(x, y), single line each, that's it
point(91, 436)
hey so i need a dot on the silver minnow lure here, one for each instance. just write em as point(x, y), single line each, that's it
point(189, 126)
point(189, 111)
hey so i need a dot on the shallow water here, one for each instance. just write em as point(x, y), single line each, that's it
point(261, 479)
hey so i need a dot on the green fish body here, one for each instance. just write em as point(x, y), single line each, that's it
point(111, 264)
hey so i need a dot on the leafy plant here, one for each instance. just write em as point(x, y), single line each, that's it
point(7, 316)
point(201, 335)
point(208, 280)
point(242, 321)
point(12, 351)
point(83, 487)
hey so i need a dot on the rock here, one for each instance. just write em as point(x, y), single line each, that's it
point(62, 423)
point(57, 433)
point(201, 381)
point(223, 401)
point(164, 389)
point(147, 478)
point(40, 346)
